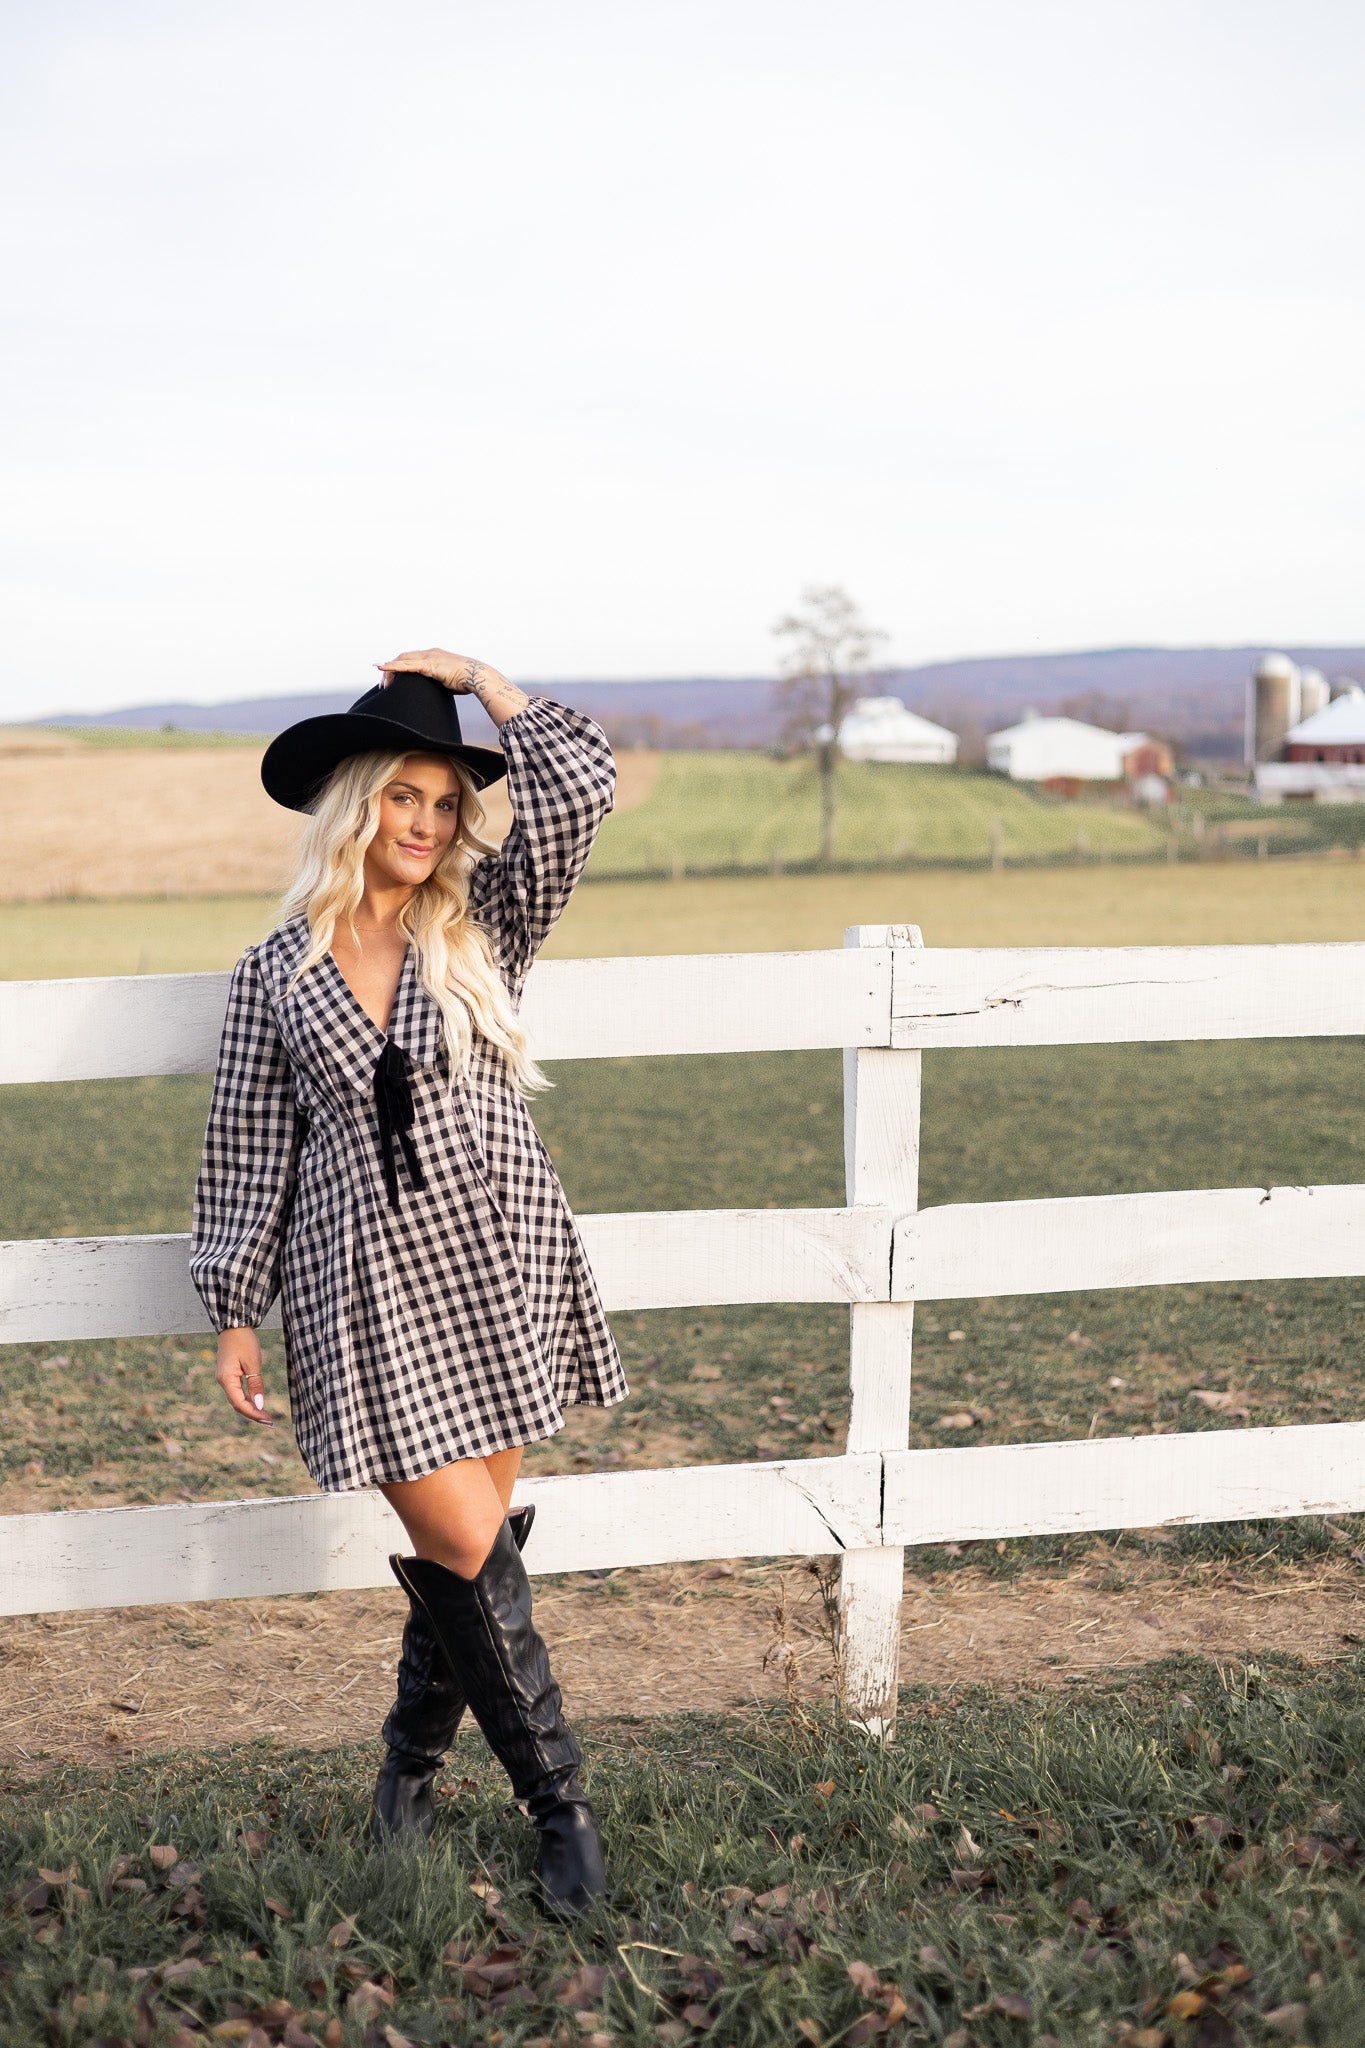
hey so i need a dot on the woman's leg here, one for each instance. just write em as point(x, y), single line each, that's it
point(468, 1579)
point(453, 1515)
point(430, 1703)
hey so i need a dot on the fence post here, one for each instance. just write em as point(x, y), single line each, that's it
point(881, 1167)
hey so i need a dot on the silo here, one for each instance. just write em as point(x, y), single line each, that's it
point(1342, 686)
point(1274, 704)
point(1315, 692)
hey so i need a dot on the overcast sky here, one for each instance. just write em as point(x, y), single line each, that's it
point(581, 335)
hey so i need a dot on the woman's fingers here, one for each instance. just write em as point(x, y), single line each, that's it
point(435, 662)
point(240, 1379)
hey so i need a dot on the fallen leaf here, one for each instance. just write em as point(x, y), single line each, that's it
point(825, 1790)
point(1012, 2005)
point(584, 1988)
point(278, 1908)
point(163, 1855)
point(1286, 2019)
point(338, 1936)
point(58, 1877)
point(1186, 2005)
point(961, 1418)
point(368, 1999)
point(719, 1571)
point(745, 1935)
point(1221, 1402)
point(966, 1848)
point(865, 1979)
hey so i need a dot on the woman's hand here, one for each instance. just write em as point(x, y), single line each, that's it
point(462, 675)
point(239, 1373)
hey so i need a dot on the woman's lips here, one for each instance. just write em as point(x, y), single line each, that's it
point(420, 852)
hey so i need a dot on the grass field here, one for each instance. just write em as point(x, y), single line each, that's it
point(744, 810)
point(1193, 903)
point(1168, 1862)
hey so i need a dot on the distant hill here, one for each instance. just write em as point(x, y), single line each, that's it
point(1190, 695)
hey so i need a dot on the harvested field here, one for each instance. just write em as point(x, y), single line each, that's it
point(80, 821)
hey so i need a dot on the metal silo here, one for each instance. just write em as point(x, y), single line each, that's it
point(1272, 705)
point(1315, 692)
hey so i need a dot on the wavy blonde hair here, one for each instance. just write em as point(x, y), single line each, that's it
point(455, 960)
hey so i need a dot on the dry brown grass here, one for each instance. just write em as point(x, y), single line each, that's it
point(319, 1669)
point(164, 821)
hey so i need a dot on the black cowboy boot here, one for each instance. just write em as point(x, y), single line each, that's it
point(485, 1629)
point(421, 1724)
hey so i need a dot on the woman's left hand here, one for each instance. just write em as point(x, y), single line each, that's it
point(460, 673)
point(464, 676)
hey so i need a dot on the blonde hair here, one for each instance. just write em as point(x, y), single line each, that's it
point(455, 960)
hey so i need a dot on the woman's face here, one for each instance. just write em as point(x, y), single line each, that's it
point(418, 813)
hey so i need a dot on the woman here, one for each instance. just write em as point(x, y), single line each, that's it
point(370, 1157)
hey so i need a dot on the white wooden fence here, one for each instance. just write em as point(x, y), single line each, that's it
point(885, 999)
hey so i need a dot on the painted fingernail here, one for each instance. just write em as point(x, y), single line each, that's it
point(258, 1400)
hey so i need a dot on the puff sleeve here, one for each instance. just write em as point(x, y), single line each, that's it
point(561, 780)
point(250, 1157)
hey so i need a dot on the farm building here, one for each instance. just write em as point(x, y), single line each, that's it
point(882, 729)
point(1062, 751)
point(1322, 757)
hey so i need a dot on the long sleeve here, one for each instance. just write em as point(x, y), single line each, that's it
point(251, 1146)
point(560, 780)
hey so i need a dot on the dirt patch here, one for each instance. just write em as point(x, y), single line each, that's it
point(318, 1669)
point(180, 821)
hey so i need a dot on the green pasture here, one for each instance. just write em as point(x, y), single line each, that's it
point(1194, 902)
point(1170, 1861)
point(721, 810)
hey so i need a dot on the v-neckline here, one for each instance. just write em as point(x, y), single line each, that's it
point(380, 1031)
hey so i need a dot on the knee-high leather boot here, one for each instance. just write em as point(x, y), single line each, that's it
point(485, 1629)
point(421, 1723)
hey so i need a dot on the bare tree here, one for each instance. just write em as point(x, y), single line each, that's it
point(828, 646)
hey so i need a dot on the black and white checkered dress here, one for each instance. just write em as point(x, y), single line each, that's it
point(467, 1320)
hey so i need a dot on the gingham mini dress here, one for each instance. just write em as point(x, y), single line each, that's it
point(465, 1319)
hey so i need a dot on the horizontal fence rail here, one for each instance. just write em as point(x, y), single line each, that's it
point(1116, 995)
point(102, 1028)
point(64, 1288)
point(225, 1550)
point(885, 999)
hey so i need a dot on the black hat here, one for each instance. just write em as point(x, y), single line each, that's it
point(412, 714)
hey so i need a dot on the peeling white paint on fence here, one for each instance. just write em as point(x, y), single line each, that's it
point(885, 998)
point(63, 1288)
point(1111, 995)
point(228, 1550)
point(1148, 1240)
point(1124, 1482)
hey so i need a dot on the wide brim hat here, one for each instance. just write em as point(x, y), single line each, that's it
point(412, 714)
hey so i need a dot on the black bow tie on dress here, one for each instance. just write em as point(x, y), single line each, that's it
point(393, 1101)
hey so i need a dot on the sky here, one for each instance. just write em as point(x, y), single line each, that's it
point(582, 336)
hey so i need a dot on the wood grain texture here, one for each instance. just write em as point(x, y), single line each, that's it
point(1147, 1240)
point(1132, 1482)
point(55, 1289)
point(881, 1167)
point(1087, 995)
point(104, 1027)
point(224, 1550)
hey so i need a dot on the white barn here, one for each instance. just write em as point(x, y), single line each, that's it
point(882, 729)
point(1044, 749)
point(1322, 757)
